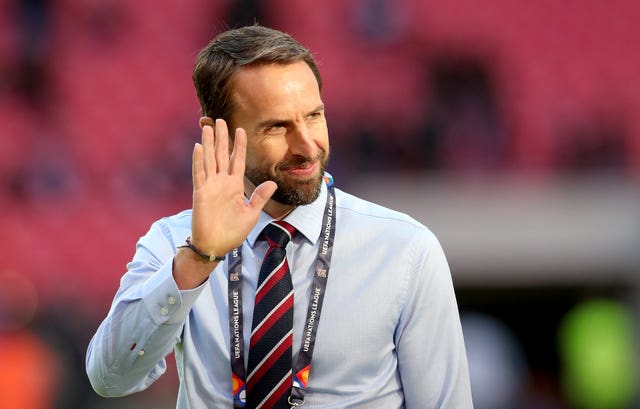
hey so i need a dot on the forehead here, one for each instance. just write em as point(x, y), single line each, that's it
point(274, 90)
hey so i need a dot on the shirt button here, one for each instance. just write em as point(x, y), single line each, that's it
point(171, 300)
point(164, 311)
point(141, 352)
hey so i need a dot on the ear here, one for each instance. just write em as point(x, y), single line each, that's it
point(205, 120)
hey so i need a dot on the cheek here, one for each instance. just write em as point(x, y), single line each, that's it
point(251, 160)
point(321, 135)
point(262, 156)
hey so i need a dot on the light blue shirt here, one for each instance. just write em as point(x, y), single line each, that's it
point(389, 335)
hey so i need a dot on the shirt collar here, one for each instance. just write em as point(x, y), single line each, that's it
point(306, 219)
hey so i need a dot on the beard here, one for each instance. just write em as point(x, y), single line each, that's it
point(292, 191)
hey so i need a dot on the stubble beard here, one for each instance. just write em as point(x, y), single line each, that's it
point(294, 192)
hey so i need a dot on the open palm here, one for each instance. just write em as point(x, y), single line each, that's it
point(222, 218)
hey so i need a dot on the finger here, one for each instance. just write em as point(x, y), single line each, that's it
point(262, 194)
point(239, 154)
point(222, 146)
point(209, 160)
point(197, 167)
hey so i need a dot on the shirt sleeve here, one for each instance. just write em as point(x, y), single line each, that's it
point(431, 354)
point(145, 321)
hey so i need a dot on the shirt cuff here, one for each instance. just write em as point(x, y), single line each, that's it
point(165, 302)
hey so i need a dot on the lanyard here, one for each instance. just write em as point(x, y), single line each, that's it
point(302, 365)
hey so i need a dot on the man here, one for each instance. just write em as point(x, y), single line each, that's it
point(247, 334)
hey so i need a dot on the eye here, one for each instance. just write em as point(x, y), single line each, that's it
point(315, 115)
point(275, 128)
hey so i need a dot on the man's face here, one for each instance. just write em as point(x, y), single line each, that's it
point(280, 108)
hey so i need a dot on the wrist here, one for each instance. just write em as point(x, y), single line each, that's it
point(190, 270)
point(206, 257)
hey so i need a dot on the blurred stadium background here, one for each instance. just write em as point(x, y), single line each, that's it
point(511, 128)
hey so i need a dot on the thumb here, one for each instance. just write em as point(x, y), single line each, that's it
point(262, 194)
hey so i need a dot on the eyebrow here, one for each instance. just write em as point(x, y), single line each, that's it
point(270, 122)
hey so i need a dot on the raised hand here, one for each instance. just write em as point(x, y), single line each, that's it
point(221, 217)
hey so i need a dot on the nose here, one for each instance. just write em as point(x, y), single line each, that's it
point(301, 142)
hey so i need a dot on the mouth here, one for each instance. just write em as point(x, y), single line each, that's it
point(301, 170)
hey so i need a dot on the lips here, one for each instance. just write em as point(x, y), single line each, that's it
point(302, 170)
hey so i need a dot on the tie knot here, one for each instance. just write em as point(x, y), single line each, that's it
point(278, 233)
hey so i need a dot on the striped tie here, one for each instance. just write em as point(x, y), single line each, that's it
point(269, 379)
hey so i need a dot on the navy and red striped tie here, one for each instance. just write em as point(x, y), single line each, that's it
point(269, 380)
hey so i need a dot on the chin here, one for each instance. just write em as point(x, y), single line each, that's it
point(297, 193)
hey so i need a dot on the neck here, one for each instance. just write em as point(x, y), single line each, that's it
point(280, 213)
point(274, 209)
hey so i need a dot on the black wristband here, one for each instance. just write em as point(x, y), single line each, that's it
point(198, 252)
